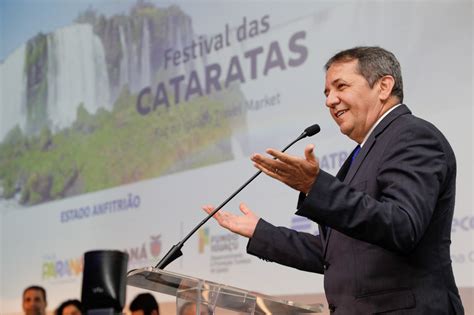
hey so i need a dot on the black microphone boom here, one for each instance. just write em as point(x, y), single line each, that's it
point(175, 251)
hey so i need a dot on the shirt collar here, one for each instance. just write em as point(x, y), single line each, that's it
point(376, 123)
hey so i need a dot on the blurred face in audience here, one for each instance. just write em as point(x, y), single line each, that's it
point(34, 302)
point(190, 309)
point(71, 310)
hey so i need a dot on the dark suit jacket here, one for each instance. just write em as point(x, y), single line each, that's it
point(389, 216)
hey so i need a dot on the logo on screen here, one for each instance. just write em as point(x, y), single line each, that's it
point(155, 245)
point(54, 268)
point(142, 253)
point(462, 224)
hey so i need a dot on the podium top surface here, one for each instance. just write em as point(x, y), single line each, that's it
point(214, 294)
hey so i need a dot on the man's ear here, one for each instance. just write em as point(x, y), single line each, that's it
point(155, 312)
point(386, 84)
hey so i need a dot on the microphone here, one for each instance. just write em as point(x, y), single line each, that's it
point(175, 251)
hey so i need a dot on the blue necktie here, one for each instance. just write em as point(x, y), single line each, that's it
point(356, 152)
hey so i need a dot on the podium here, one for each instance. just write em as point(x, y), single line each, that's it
point(209, 298)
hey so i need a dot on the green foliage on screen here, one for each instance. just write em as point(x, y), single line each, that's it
point(107, 149)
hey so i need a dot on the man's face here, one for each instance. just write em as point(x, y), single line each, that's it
point(34, 303)
point(352, 103)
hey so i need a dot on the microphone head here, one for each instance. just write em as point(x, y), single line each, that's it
point(312, 130)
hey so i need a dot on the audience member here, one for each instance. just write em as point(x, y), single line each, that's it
point(70, 307)
point(144, 304)
point(34, 300)
point(189, 308)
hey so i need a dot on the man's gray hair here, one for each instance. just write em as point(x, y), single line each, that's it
point(373, 64)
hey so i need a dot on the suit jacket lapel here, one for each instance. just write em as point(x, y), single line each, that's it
point(359, 159)
point(341, 174)
point(397, 112)
point(348, 171)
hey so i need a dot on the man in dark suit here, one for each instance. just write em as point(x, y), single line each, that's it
point(385, 219)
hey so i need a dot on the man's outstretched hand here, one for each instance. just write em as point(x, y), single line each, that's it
point(297, 172)
point(241, 224)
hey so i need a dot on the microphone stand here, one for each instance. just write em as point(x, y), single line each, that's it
point(175, 251)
